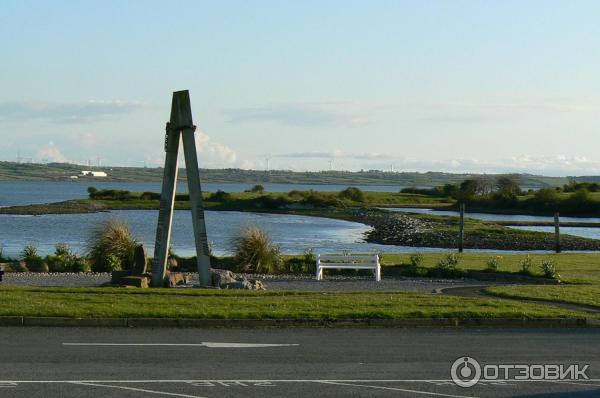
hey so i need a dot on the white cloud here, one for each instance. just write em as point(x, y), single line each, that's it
point(336, 154)
point(347, 114)
point(76, 112)
point(213, 154)
point(50, 153)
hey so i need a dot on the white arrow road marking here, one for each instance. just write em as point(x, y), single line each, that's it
point(203, 344)
point(172, 394)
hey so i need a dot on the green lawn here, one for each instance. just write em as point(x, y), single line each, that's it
point(215, 304)
point(574, 294)
point(580, 273)
point(573, 267)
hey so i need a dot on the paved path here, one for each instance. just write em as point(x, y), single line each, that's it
point(83, 362)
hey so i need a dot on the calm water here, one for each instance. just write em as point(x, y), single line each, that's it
point(593, 233)
point(26, 192)
point(294, 233)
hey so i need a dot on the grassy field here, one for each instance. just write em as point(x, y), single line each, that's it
point(12, 171)
point(215, 304)
point(580, 273)
point(580, 268)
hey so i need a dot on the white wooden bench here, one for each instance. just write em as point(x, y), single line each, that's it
point(356, 261)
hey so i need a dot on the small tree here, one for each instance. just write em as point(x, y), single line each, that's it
point(507, 186)
point(258, 188)
point(353, 193)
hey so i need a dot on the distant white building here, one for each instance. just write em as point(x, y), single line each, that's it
point(89, 173)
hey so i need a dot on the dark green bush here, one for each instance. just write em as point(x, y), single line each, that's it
point(258, 188)
point(220, 196)
point(150, 196)
point(352, 193)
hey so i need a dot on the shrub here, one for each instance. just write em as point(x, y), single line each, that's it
point(255, 252)
point(304, 264)
point(2, 258)
point(111, 238)
point(352, 193)
point(32, 259)
point(449, 263)
point(112, 263)
point(526, 265)
point(270, 202)
point(493, 263)
point(415, 267)
point(549, 269)
point(30, 253)
point(258, 188)
point(182, 197)
point(416, 260)
point(220, 196)
point(320, 199)
point(108, 194)
point(64, 260)
point(62, 249)
point(81, 265)
point(296, 194)
point(150, 196)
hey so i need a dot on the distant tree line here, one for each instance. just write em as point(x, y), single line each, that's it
point(503, 193)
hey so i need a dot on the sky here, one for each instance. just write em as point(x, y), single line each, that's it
point(455, 86)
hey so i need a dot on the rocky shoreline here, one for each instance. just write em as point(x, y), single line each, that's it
point(398, 229)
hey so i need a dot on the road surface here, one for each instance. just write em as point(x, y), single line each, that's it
point(121, 362)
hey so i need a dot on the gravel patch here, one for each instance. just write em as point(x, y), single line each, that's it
point(304, 282)
point(339, 283)
point(89, 279)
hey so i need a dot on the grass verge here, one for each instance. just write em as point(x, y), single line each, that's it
point(215, 304)
point(572, 294)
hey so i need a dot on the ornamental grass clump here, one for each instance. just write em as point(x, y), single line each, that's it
point(493, 263)
point(111, 246)
point(549, 270)
point(32, 260)
point(255, 252)
point(526, 265)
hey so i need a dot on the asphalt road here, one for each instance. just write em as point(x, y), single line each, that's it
point(120, 362)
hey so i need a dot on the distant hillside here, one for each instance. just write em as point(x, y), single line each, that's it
point(62, 171)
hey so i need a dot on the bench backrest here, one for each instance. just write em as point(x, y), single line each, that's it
point(356, 258)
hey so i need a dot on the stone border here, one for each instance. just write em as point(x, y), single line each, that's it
point(306, 323)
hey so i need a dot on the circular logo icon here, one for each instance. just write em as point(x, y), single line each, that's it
point(465, 372)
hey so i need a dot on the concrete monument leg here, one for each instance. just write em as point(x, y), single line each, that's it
point(180, 124)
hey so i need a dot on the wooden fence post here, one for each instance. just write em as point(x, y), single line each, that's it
point(556, 232)
point(461, 228)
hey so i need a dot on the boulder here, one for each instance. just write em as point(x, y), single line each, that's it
point(135, 281)
point(221, 277)
point(140, 261)
point(172, 263)
point(176, 279)
point(228, 280)
point(116, 276)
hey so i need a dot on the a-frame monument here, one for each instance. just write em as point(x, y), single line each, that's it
point(180, 127)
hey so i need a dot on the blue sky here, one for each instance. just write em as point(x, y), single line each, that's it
point(474, 86)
